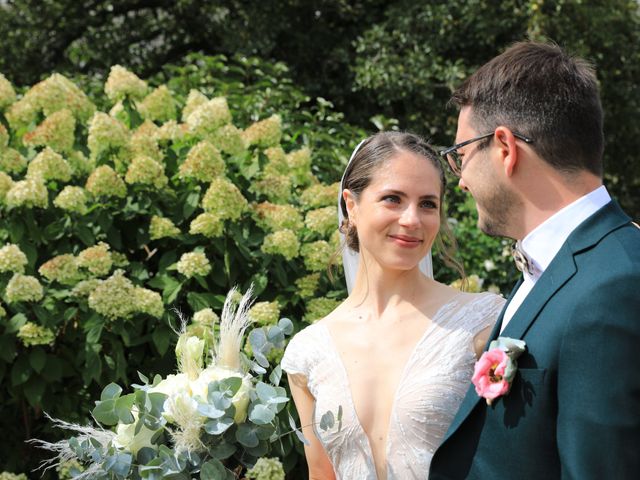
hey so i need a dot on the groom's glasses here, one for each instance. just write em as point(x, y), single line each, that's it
point(454, 159)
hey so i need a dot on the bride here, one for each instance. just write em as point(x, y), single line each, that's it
point(397, 355)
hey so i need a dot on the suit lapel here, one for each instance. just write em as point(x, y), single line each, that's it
point(561, 269)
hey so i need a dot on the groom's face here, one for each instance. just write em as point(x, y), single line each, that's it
point(482, 178)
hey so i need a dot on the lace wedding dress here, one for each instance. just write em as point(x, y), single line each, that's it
point(433, 384)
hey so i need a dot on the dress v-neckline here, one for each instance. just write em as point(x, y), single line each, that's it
point(345, 376)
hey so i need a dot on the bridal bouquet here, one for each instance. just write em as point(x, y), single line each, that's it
point(210, 420)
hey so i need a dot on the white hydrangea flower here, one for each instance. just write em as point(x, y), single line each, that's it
point(23, 288)
point(12, 259)
point(193, 263)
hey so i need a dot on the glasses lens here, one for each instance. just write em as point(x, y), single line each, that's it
point(454, 161)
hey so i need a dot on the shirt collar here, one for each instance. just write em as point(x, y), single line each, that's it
point(544, 241)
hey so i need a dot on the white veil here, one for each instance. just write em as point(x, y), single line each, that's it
point(350, 258)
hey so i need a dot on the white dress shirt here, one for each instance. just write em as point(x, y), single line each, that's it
point(543, 243)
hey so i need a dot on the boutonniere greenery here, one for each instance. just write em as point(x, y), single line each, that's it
point(494, 371)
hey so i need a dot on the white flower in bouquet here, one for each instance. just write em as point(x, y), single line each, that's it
point(127, 437)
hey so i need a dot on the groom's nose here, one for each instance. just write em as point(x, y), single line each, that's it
point(462, 185)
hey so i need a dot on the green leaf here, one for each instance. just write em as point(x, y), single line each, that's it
point(199, 301)
point(261, 415)
point(7, 348)
point(276, 375)
point(223, 450)
point(327, 421)
point(21, 371)
point(246, 435)
point(111, 391)
point(218, 426)
point(123, 408)
point(213, 470)
point(16, 322)
point(105, 412)
point(118, 464)
point(162, 337)
point(33, 390)
point(37, 359)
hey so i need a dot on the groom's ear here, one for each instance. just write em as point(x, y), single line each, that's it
point(507, 147)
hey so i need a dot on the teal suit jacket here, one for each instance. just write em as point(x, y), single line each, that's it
point(574, 407)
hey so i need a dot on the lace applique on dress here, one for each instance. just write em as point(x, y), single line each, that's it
point(433, 384)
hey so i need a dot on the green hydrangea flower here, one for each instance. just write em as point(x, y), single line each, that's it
point(283, 242)
point(317, 308)
point(194, 100)
point(266, 469)
point(224, 200)
point(28, 193)
point(158, 106)
point(49, 96)
point(6, 184)
point(308, 285)
point(4, 137)
point(265, 313)
point(12, 161)
point(97, 259)
point(122, 83)
point(7, 93)
point(277, 188)
point(272, 218)
point(143, 142)
point(228, 139)
point(319, 195)
point(114, 297)
point(207, 224)
point(23, 288)
point(69, 470)
point(81, 166)
point(31, 335)
point(148, 301)
point(63, 269)
point(171, 131)
point(322, 220)
point(85, 287)
point(265, 133)
point(56, 131)
point(206, 316)
point(473, 284)
point(3, 312)
point(299, 163)
point(12, 259)
point(208, 117)
point(162, 227)
point(72, 199)
point(106, 133)
point(146, 171)
point(317, 255)
point(203, 163)
point(105, 182)
point(277, 164)
point(193, 263)
point(49, 165)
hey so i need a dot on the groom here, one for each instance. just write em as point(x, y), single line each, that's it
point(530, 153)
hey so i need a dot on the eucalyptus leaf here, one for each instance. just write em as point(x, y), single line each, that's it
point(246, 435)
point(327, 421)
point(223, 450)
point(218, 426)
point(212, 470)
point(111, 391)
point(105, 412)
point(261, 414)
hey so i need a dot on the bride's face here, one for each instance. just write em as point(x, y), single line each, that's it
point(397, 216)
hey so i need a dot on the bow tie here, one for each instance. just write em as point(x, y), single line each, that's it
point(522, 261)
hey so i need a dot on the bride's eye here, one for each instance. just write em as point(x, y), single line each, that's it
point(428, 204)
point(391, 199)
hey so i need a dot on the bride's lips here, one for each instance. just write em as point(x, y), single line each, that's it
point(406, 241)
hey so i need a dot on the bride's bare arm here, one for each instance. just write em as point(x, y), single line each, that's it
point(320, 467)
point(480, 340)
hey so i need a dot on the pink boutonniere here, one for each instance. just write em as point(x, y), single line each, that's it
point(494, 371)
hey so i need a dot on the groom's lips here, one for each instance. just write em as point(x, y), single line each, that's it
point(406, 241)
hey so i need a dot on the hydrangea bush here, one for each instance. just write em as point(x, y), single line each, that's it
point(143, 196)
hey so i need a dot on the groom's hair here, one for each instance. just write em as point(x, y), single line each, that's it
point(538, 90)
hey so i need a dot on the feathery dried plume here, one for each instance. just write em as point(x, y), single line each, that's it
point(233, 323)
point(63, 453)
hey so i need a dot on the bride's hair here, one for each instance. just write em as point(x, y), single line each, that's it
point(371, 155)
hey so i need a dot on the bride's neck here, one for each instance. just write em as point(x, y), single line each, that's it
point(377, 288)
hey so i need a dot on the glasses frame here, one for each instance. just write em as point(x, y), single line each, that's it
point(453, 158)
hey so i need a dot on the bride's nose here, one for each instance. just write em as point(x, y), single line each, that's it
point(409, 217)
